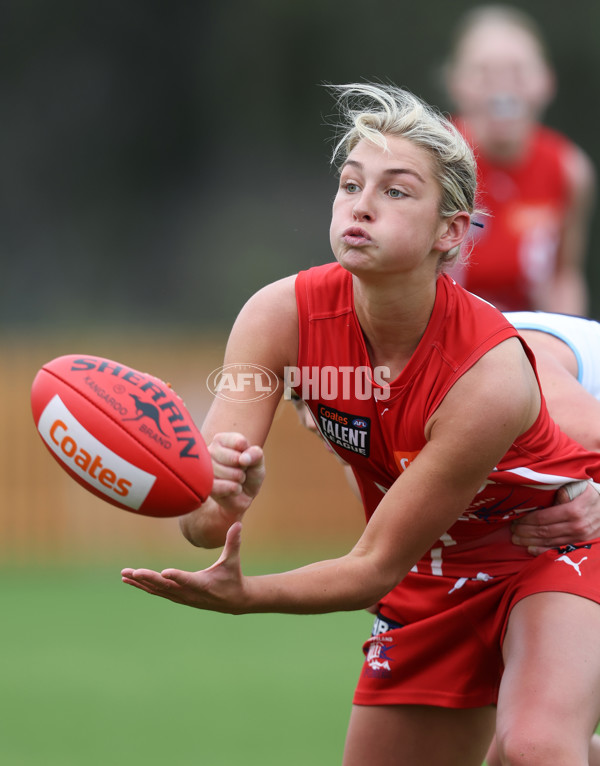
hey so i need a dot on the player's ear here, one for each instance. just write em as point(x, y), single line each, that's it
point(453, 231)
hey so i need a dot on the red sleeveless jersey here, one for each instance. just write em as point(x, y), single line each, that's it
point(379, 430)
point(517, 249)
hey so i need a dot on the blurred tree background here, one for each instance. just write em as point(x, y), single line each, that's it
point(161, 161)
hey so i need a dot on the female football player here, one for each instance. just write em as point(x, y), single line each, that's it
point(433, 399)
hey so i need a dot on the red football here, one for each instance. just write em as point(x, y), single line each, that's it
point(124, 435)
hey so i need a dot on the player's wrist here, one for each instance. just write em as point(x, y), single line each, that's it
point(207, 526)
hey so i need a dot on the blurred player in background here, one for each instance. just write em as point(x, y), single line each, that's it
point(536, 185)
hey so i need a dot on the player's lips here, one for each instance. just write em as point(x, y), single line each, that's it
point(356, 236)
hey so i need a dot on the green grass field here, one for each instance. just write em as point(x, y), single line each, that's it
point(94, 672)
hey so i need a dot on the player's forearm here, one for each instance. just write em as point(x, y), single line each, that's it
point(344, 584)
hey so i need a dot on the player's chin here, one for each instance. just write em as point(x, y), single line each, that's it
point(355, 260)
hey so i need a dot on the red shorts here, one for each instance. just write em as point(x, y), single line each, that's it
point(443, 644)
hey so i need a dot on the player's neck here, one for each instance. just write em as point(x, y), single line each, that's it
point(393, 322)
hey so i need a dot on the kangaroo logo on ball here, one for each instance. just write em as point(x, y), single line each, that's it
point(146, 410)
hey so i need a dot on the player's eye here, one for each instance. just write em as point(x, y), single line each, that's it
point(350, 187)
point(395, 193)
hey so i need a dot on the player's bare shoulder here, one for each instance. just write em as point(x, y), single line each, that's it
point(267, 326)
point(500, 390)
point(277, 299)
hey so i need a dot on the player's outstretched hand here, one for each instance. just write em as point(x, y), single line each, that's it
point(568, 522)
point(220, 588)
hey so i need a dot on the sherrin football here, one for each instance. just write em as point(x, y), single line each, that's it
point(124, 435)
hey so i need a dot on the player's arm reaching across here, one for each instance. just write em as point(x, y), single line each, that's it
point(573, 520)
point(264, 333)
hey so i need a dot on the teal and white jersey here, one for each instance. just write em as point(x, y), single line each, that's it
point(580, 334)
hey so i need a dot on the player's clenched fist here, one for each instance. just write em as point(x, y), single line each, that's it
point(238, 467)
point(239, 471)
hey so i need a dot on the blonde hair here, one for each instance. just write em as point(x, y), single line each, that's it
point(371, 112)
